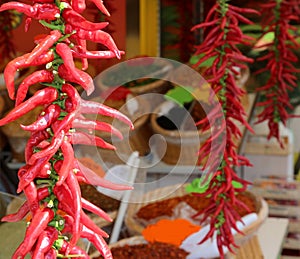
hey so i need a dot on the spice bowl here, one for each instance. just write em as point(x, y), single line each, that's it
point(138, 247)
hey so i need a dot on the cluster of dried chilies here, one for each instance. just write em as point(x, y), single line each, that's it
point(222, 38)
point(51, 176)
point(222, 34)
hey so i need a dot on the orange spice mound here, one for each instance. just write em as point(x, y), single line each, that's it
point(170, 231)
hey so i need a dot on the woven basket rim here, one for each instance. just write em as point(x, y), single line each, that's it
point(179, 190)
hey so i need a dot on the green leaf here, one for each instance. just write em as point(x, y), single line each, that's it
point(197, 186)
point(237, 185)
point(180, 95)
point(207, 63)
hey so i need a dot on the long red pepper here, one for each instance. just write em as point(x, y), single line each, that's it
point(47, 117)
point(95, 36)
point(41, 97)
point(25, 208)
point(78, 76)
point(75, 19)
point(76, 199)
point(96, 125)
point(44, 243)
point(38, 224)
point(19, 63)
point(39, 76)
point(98, 241)
point(37, 11)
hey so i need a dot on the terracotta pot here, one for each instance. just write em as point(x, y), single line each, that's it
point(181, 145)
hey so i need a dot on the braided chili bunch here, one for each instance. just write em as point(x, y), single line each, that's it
point(51, 176)
point(281, 60)
point(221, 37)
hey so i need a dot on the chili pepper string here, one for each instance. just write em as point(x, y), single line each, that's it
point(221, 36)
point(278, 18)
point(50, 179)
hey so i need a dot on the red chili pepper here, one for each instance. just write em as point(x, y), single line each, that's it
point(68, 156)
point(82, 45)
point(44, 242)
point(37, 11)
point(78, 77)
point(42, 193)
point(44, 45)
point(96, 125)
point(36, 77)
point(73, 225)
point(94, 209)
point(45, 119)
point(30, 192)
point(49, 151)
point(78, 5)
point(92, 178)
point(28, 173)
point(90, 224)
point(95, 36)
point(91, 107)
point(34, 140)
point(76, 201)
point(73, 251)
point(28, 21)
point(98, 242)
point(78, 251)
point(75, 19)
point(51, 254)
point(37, 225)
point(19, 215)
point(69, 72)
point(94, 54)
point(41, 97)
point(65, 124)
point(69, 223)
point(101, 7)
point(18, 63)
point(87, 139)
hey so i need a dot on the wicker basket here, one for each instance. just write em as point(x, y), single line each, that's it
point(135, 240)
point(182, 146)
point(135, 227)
point(249, 249)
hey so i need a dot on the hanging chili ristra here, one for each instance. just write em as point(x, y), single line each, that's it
point(277, 19)
point(221, 36)
point(51, 176)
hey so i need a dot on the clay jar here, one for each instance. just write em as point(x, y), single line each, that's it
point(176, 125)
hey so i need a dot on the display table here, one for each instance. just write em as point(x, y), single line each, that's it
point(271, 236)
